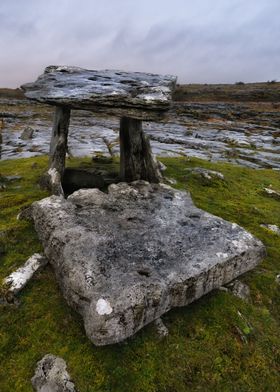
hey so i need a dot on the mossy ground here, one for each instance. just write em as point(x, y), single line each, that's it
point(219, 343)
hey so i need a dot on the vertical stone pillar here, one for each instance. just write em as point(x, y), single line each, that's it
point(137, 161)
point(58, 148)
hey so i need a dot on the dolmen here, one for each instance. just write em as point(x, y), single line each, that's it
point(126, 256)
point(131, 96)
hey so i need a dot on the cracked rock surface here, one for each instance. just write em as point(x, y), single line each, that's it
point(108, 91)
point(124, 258)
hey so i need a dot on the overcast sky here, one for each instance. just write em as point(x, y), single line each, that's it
point(204, 41)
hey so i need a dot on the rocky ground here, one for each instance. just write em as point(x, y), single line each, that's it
point(233, 124)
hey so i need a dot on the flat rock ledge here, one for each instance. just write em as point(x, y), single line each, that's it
point(132, 94)
point(124, 258)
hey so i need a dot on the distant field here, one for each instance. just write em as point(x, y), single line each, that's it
point(11, 93)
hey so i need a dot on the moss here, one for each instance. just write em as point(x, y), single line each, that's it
point(205, 350)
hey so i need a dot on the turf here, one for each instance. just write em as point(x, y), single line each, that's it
point(219, 343)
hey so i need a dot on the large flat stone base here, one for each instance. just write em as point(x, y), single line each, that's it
point(124, 258)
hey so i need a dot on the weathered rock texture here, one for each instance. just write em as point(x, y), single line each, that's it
point(124, 258)
point(132, 94)
point(51, 376)
point(18, 279)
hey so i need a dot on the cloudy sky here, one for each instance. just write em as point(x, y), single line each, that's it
point(204, 41)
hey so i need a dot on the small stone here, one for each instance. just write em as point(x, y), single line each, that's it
point(27, 133)
point(51, 376)
point(275, 229)
point(170, 181)
point(272, 193)
point(13, 178)
point(277, 279)
point(162, 330)
point(161, 166)
point(18, 279)
point(55, 182)
point(240, 290)
point(207, 174)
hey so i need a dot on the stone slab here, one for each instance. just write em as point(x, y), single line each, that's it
point(124, 258)
point(133, 94)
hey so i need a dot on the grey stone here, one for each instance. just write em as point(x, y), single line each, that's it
point(161, 328)
point(124, 258)
point(206, 173)
point(27, 133)
point(161, 166)
point(13, 178)
point(277, 279)
point(170, 181)
point(51, 376)
point(240, 290)
point(224, 289)
point(18, 279)
point(274, 228)
point(132, 94)
point(272, 193)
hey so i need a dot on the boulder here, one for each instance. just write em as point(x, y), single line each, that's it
point(51, 376)
point(124, 258)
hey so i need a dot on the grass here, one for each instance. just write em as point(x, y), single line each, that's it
point(219, 343)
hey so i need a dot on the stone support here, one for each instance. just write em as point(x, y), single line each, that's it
point(136, 161)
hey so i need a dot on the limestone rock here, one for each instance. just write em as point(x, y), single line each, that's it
point(51, 376)
point(206, 173)
point(18, 279)
point(27, 133)
point(132, 94)
point(272, 193)
point(124, 258)
point(274, 228)
point(12, 178)
point(240, 290)
point(162, 330)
